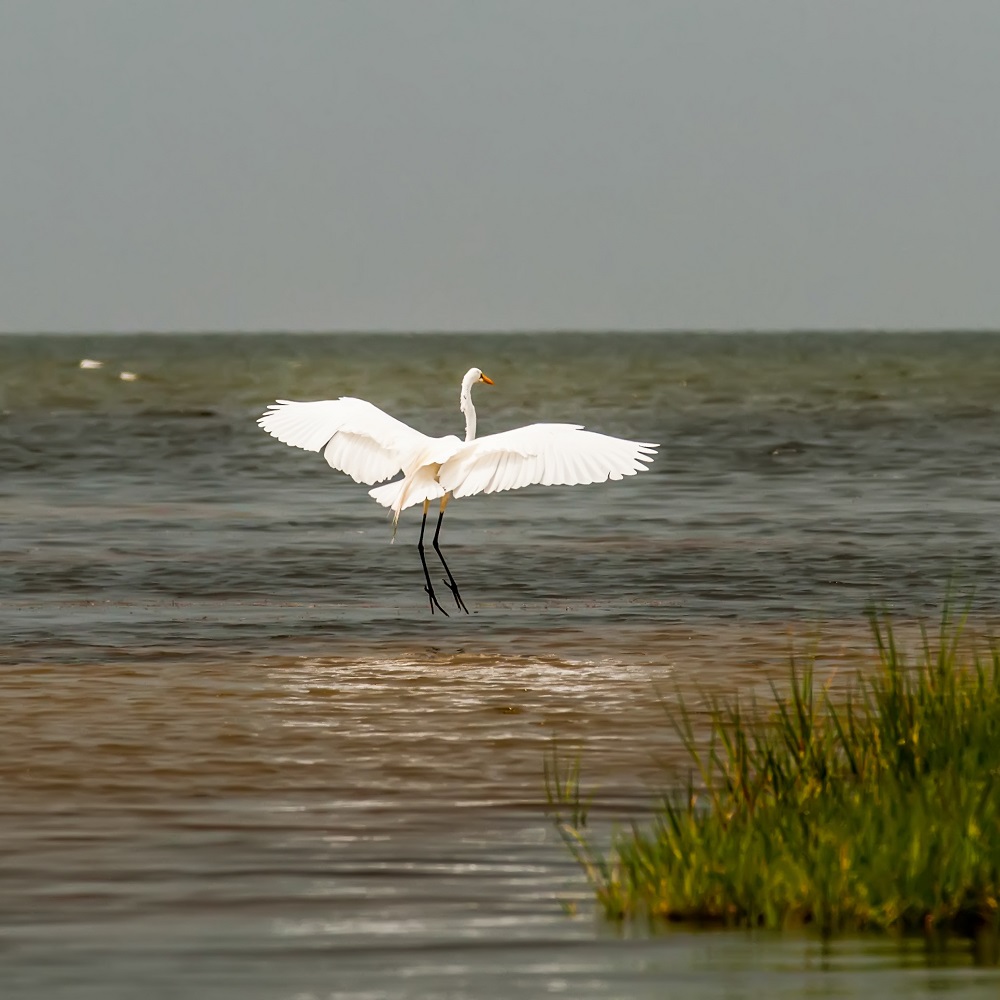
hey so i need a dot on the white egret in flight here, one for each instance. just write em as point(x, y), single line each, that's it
point(358, 438)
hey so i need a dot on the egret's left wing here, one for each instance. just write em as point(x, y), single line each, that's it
point(354, 435)
point(546, 454)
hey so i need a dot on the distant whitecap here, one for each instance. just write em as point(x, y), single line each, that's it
point(91, 363)
point(127, 376)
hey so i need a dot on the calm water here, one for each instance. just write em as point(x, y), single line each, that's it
point(241, 759)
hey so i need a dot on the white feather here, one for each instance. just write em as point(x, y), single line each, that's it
point(354, 435)
point(547, 454)
point(358, 438)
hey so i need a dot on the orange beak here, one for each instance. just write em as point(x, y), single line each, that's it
point(486, 379)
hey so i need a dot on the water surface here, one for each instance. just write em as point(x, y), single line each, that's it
point(242, 759)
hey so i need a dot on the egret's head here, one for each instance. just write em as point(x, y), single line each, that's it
point(476, 375)
point(472, 376)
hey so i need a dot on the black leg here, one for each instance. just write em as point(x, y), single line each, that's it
point(428, 589)
point(450, 580)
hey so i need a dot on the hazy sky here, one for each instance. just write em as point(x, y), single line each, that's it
point(313, 164)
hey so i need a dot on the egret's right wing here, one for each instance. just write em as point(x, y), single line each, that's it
point(546, 454)
point(354, 435)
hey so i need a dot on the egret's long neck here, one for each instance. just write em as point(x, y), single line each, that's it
point(469, 410)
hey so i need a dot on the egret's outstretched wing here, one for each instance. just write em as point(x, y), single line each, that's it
point(548, 454)
point(354, 435)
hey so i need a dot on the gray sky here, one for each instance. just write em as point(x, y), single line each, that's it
point(310, 164)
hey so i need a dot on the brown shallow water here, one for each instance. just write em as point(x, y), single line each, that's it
point(323, 825)
point(239, 759)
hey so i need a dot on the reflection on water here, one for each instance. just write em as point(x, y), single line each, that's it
point(324, 826)
point(240, 759)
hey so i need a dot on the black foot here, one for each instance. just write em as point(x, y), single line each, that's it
point(434, 602)
point(453, 587)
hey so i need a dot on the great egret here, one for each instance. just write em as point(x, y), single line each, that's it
point(358, 438)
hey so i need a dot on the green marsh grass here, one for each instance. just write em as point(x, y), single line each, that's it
point(875, 806)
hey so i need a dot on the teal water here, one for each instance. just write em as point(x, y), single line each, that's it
point(242, 758)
